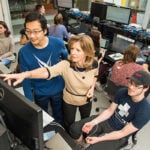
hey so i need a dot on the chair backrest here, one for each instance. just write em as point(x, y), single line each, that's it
point(131, 143)
point(111, 88)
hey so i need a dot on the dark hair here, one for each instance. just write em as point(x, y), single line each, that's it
point(7, 32)
point(34, 16)
point(22, 32)
point(95, 35)
point(38, 7)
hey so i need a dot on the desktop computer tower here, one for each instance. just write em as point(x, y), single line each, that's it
point(4, 142)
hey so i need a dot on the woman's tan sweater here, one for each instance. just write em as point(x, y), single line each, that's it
point(77, 83)
point(6, 46)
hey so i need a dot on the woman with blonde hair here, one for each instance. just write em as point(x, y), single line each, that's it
point(79, 73)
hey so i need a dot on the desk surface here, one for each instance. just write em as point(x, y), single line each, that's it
point(63, 133)
point(119, 30)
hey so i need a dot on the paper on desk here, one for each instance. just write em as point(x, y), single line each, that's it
point(46, 118)
point(116, 56)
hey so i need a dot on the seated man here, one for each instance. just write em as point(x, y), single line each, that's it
point(129, 112)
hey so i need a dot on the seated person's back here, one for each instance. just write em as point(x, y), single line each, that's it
point(127, 66)
point(58, 29)
point(96, 37)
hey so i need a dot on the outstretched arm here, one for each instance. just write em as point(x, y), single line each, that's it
point(37, 73)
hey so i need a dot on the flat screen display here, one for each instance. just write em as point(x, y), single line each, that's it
point(120, 15)
point(120, 43)
point(98, 10)
point(22, 117)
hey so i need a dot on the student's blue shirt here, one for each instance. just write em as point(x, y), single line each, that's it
point(32, 58)
point(129, 111)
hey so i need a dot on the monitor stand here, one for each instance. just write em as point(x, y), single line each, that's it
point(115, 24)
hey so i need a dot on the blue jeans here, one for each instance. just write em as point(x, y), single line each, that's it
point(6, 61)
point(56, 105)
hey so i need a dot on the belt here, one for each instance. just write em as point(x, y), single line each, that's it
point(74, 93)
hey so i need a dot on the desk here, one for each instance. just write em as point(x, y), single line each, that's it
point(64, 134)
point(108, 59)
point(118, 56)
point(109, 30)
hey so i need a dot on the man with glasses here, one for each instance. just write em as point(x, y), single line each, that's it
point(42, 51)
point(127, 114)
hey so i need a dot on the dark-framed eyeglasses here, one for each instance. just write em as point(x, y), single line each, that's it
point(35, 32)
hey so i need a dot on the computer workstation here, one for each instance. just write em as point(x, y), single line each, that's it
point(116, 49)
point(112, 26)
point(22, 122)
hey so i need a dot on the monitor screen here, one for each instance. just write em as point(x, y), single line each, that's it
point(120, 15)
point(65, 3)
point(98, 10)
point(22, 117)
point(120, 43)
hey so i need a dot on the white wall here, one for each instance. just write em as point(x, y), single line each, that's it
point(146, 19)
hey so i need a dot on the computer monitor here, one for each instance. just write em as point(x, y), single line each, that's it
point(22, 117)
point(65, 3)
point(118, 15)
point(98, 10)
point(120, 43)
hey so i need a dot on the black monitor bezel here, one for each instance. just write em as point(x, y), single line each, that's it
point(93, 12)
point(23, 122)
point(118, 21)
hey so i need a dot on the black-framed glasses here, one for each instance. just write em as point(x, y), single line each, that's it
point(35, 32)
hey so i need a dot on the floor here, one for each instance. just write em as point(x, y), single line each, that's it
point(101, 102)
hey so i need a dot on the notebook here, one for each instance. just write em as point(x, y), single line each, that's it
point(57, 143)
point(116, 56)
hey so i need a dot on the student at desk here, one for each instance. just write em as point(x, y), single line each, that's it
point(127, 66)
point(58, 29)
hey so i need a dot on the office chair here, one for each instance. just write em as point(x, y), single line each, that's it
point(111, 88)
point(132, 141)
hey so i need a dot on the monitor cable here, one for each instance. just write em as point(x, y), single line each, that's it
point(57, 124)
